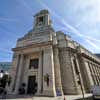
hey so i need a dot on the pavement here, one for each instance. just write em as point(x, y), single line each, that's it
point(66, 97)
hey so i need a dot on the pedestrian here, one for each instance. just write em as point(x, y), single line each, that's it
point(64, 98)
point(4, 94)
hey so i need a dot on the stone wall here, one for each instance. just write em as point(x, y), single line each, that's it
point(90, 71)
point(67, 76)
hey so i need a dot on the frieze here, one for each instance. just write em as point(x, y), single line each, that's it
point(37, 33)
point(35, 40)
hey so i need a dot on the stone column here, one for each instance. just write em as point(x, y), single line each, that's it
point(58, 83)
point(97, 74)
point(85, 72)
point(80, 87)
point(20, 66)
point(99, 70)
point(96, 83)
point(40, 74)
point(48, 72)
point(89, 77)
point(92, 73)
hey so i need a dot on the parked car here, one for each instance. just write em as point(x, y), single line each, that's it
point(95, 90)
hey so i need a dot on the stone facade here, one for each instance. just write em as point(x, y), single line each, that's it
point(53, 60)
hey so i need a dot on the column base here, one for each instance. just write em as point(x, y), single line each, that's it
point(50, 93)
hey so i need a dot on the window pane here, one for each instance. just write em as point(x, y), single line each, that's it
point(75, 65)
point(33, 63)
point(40, 19)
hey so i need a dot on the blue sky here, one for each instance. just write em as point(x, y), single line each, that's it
point(78, 18)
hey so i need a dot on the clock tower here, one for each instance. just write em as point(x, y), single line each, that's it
point(42, 19)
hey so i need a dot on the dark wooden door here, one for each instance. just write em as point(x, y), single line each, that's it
point(31, 85)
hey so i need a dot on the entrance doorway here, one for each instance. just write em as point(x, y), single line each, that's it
point(32, 85)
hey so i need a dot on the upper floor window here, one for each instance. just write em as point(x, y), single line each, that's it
point(40, 20)
point(75, 66)
point(34, 63)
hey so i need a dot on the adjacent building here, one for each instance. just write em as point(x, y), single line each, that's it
point(50, 63)
point(98, 55)
point(5, 66)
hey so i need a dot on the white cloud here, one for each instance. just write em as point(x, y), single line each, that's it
point(7, 19)
point(89, 39)
point(23, 2)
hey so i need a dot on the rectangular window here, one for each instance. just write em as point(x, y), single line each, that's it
point(41, 19)
point(34, 63)
point(75, 66)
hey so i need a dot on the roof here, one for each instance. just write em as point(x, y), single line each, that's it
point(42, 12)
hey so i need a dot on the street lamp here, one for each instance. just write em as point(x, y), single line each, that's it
point(1, 73)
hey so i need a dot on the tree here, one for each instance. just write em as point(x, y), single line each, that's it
point(6, 79)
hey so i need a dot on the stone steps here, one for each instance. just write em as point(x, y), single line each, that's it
point(29, 97)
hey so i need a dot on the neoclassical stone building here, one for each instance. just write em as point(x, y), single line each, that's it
point(50, 63)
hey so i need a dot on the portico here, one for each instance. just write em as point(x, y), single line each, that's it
point(35, 61)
